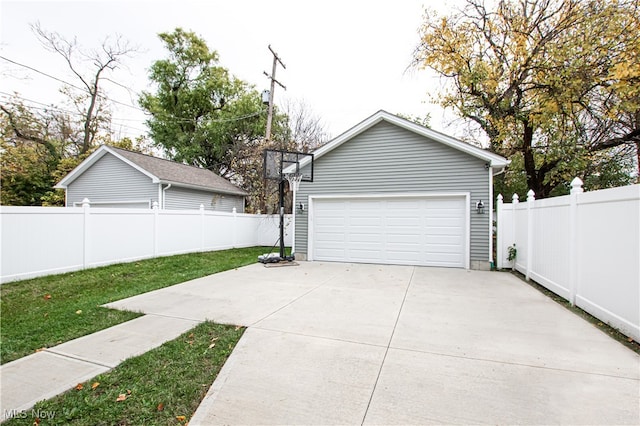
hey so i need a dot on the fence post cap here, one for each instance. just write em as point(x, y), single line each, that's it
point(86, 202)
point(500, 198)
point(155, 205)
point(531, 196)
point(515, 198)
point(234, 210)
point(201, 207)
point(576, 186)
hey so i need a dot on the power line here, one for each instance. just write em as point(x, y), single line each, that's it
point(84, 89)
point(222, 120)
point(48, 107)
point(112, 120)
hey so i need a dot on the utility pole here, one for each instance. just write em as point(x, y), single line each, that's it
point(272, 77)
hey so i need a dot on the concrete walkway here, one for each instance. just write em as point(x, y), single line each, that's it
point(332, 343)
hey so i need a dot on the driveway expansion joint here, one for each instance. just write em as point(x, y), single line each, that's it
point(314, 336)
point(375, 385)
point(517, 364)
point(78, 358)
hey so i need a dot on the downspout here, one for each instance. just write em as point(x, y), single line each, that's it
point(164, 195)
point(491, 217)
point(491, 175)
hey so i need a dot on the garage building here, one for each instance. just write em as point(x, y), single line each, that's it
point(391, 191)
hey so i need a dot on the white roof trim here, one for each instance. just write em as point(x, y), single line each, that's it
point(204, 188)
point(494, 160)
point(90, 160)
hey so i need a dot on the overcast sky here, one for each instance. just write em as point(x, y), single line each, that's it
point(346, 59)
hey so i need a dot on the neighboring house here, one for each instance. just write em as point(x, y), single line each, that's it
point(114, 177)
point(391, 191)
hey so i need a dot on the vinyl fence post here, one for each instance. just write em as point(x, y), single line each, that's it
point(576, 188)
point(235, 228)
point(86, 206)
point(515, 200)
point(530, 200)
point(202, 227)
point(156, 207)
point(499, 233)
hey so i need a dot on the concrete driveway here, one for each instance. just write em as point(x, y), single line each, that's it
point(332, 343)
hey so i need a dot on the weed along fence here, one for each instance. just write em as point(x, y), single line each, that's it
point(584, 247)
point(47, 240)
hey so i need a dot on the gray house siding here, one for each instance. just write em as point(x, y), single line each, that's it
point(178, 198)
point(110, 179)
point(389, 159)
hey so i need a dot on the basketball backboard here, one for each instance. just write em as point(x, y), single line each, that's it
point(278, 164)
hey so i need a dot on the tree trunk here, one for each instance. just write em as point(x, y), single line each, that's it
point(534, 180)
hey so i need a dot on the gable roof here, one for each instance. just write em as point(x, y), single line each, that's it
point(159, 170)
point(495, 161)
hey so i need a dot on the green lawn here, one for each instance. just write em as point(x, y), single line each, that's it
point(161, 387)
point(47, 311)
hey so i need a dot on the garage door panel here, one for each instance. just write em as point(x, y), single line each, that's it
point(456, 240)
point(441, 248)
point(440, 222)
point(411, 231)
point(365, 255)
point(365, 221)
point(404, 238)
point(331, 221)
point(364, 238)
point(437, 231)
point(404, 248)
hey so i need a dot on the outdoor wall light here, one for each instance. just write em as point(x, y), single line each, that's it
point(301, 207)
point(480, 207)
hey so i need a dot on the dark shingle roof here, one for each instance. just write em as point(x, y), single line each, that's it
point(178, 173)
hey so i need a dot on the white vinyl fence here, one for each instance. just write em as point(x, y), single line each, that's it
point(39, 241)
point(584, 247)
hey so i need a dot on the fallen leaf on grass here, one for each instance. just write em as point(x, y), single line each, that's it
point(121, 397)
point(630, 339)
point(181, 418)
point(47, 296)
point(238, 327)
point(128, 391)
point(190, 336)
point(95, 385)
point(79, 386)
point(160, 407)
point(79, 311)
point(41, 349)
point(36, 421)
point(212, 345)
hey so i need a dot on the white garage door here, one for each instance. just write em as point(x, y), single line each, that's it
point(403, 231)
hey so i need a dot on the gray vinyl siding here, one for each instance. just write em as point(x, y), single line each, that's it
point(389, 159)
point(111, 179)
point(178, 198)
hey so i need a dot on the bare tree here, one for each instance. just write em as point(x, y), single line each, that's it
point(106, 58)
point(306, 129)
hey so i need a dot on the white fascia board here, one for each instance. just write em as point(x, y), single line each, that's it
point(203, 188)
point(90, 160)
point(80, 168)
point(495, 161)
point(153, 177)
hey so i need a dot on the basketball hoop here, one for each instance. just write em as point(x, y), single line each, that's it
point(294, 180)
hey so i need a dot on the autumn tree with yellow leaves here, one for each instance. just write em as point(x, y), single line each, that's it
point(554, 84)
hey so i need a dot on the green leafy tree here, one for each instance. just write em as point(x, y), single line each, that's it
point(40, 145)
point(200, 114)
point(552, 83)
point(203, 116)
